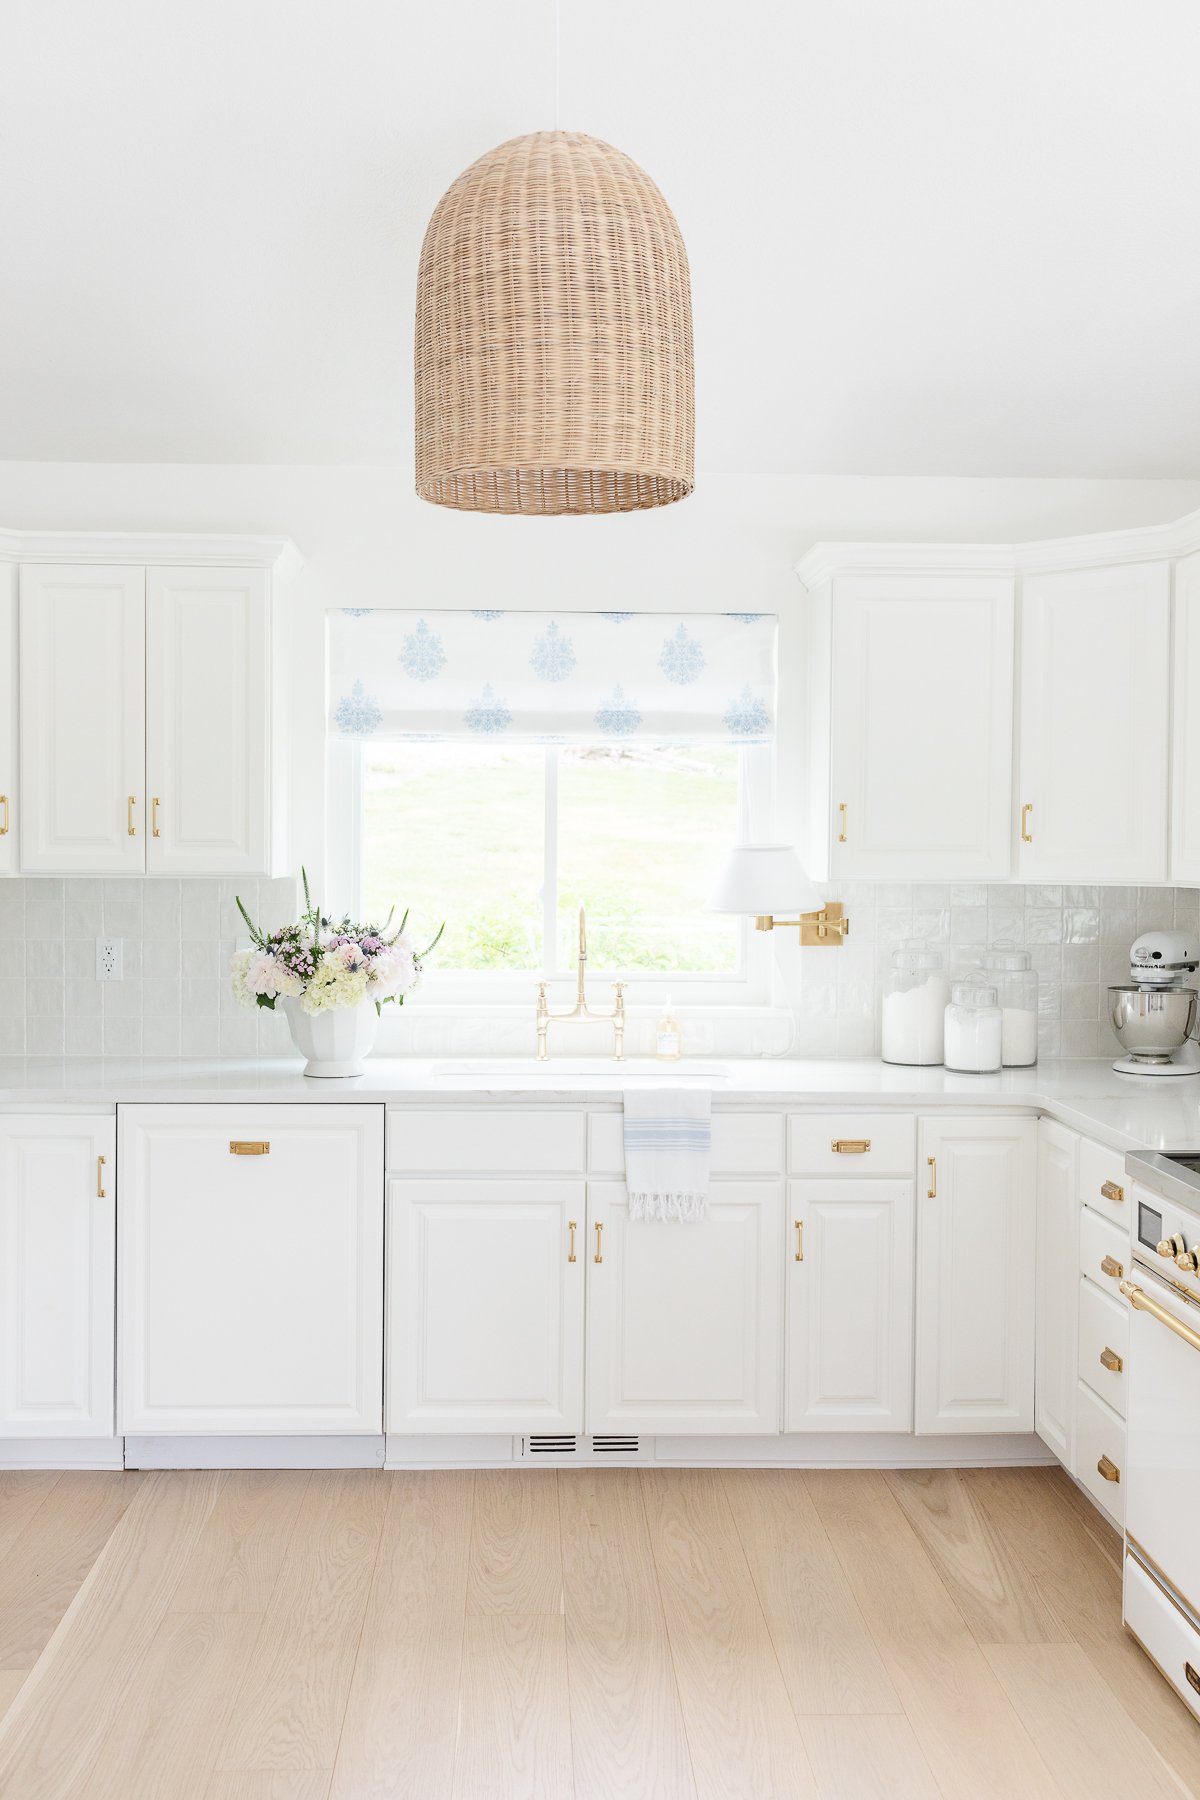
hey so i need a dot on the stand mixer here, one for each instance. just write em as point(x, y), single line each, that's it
point(1154, 1016)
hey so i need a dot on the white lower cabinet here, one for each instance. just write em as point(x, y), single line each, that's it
point(849, 1271)
point(57, 1228)
point(975, 1262)
point(9, 860)
point(1057, 1287)
point(683, 1321)
point(485, 1285)
point(250, 1275)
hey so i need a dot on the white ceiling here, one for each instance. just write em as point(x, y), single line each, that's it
point(926, 236)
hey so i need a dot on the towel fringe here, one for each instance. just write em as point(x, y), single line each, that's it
point(686, 1208)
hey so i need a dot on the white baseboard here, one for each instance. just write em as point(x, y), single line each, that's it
point(254, 1452)
point(856, 1450)
point(61, 1453)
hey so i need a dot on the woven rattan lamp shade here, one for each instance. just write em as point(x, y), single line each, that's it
point(554, 336)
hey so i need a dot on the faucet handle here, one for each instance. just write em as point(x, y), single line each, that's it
point(619, 991)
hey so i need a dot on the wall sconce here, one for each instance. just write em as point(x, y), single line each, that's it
point(765, 879)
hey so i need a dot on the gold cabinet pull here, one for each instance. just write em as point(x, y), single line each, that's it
point(599, 1256)
point(154, 806)
point(931, 1190)
point(571, 1227)
point(1026, 834)
point(1112, 1190)
point(100, 1193)
point(249, 1147)
point(850, 1146)
point(1108, 1468)
point(1111, 1360)
point(4, 804)
point(841, 838)
point(1110, 1266)
point(799, 1240)
point(130, 827)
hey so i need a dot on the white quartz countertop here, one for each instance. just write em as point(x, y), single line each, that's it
point(1124, 1111)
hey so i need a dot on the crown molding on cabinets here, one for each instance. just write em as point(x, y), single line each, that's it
point(1142, 543)
point(162, 549)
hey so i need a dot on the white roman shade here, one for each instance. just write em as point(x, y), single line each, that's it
point(552, 677)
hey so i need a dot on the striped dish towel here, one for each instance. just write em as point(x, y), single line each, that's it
point(668, 1136)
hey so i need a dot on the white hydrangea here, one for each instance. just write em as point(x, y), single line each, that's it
point(333, 985)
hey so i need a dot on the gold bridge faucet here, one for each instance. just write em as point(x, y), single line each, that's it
point(581, 1011)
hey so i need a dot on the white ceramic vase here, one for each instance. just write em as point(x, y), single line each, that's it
point(334, 1043)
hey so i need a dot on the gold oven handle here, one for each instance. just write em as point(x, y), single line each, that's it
point(1141, 1301)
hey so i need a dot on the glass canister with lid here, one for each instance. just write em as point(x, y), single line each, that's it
point(915, 996)
point(1010, 969)
point(974, 1028)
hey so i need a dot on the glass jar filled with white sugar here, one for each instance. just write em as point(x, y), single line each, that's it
point(973, 1028)
point(913, 1012)
point(1010, 969)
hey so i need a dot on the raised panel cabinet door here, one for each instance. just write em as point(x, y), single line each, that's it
point(683, 1321)
point(976, 1204)
point(485, 1306)
point(83, 720)
point(1095, 707)
point(250, 1269)
point(921, 768)
point(57, 1247)
point(9, 742)
point(208, 746)
point(849, 1270)
point(1185, 726)
point(1057, 1287)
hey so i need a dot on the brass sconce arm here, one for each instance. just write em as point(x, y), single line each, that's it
point(826, 928)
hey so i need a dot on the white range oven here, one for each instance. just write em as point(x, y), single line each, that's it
point(1162, 1457)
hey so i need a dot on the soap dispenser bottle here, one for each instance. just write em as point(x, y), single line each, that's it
point(667, 1038)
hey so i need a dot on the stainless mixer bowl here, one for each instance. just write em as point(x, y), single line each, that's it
point(1152, 1024)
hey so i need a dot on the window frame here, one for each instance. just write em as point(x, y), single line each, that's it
point(749, 985)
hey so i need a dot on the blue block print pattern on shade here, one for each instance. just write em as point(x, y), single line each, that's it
point(488, 714)
point(553, 655)
point(747, 716)
point(356, 713)
point(357, 612)
point(746, 618)
point(682, 659)
point(422, 655)
point(618, 717)
point(616, 618)
point(482, 613)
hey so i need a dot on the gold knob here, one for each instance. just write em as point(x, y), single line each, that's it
point(1111, 1361)
point(1108, 1468)
point(1188, 1261)
point(1171, 1247)
point(1110, 1266)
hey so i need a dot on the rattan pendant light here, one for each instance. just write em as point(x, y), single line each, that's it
point(554, 336)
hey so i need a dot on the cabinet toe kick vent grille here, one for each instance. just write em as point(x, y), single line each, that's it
point(563, 1447)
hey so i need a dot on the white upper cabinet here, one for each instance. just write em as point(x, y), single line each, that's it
point(1095, 687)
point(208, 748)
point(9, 742)
point(1185, 743)
point(82, 706)
point(920, 765)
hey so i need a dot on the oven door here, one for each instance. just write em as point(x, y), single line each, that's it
point(1162, 1455)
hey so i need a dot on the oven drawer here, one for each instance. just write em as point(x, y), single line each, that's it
point(1103, 1344)
point(1103, 1182)
point(1103, 1251)
point(1100, 1453)
point(1163, 1632)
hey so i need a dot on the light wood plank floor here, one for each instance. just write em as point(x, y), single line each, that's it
point(665, 1634)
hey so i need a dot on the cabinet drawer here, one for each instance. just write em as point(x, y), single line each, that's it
point(1158, 1625)
point(852, 1143)
point(1103, 1250)
point(1103, 1344)
point(1103, 1183)
point(471, 1141)
point(1100, 1443)
point(742, 1144)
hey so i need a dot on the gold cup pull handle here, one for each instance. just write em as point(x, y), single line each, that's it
point(1111, 1267)
point(599, 1256)
point(130, 827)
point(850, 1146)
point(100, 1193)
point(571, 1227)
point(1108, 1468)
point(931, 1190)
point(4, 804)
point(1111, 1361)
point(1112, 1190)
point(249, 1147)
point(154, 806)
point(1026, 834)
point(841, 838)
point(799, 1240)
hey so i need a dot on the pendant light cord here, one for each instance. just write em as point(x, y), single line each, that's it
point(557, 58)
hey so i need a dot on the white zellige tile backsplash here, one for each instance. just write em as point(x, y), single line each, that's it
point(178, 937)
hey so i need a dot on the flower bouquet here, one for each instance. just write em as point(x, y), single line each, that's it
point(333, 978)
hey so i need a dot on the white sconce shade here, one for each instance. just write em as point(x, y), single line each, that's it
point(764, 878)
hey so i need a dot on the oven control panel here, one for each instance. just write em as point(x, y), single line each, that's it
point(1168, 1239)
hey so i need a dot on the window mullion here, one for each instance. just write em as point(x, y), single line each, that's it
point(550, 867)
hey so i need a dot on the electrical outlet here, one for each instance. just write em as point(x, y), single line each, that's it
point(108, 959)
